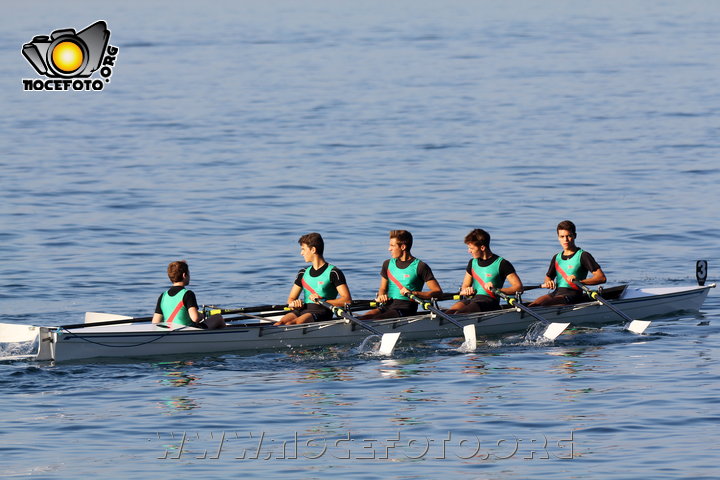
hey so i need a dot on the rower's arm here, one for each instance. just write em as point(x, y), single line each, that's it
point(466, 288)
point(382, 291)
point(344, 297)
point(434, 290)
point(293, 296)
point(598, 277)
point(515, 285)
point(195, 316)
point(157, 318)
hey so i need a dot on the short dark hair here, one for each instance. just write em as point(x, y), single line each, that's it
point(478, 237)
point(403, 237)
point(313, 240)
point(176, 270)
point(567, 225)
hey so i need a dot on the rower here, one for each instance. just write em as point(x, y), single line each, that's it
point(401, 275)
point(321, 280)
point(572, 264)
point(178, 305)
point(485, 271)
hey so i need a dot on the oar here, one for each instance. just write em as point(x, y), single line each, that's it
point(266, 308)
point(260, 316)
point(387, 340)
point(95, 319)
point(468, 330)
point(552, 329)
point(458, 296)
point(635, 326)
point(259, 308)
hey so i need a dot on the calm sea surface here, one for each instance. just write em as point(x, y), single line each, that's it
point(229, 129)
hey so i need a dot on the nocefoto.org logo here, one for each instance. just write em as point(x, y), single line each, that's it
point(68, 58)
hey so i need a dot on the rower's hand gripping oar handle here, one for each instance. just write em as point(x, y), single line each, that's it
point(261, 308)
point(459, 296)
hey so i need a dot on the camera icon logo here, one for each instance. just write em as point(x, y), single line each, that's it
point(68, 54)
point(67, 58)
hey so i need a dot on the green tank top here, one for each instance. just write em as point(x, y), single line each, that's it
point(169, 305)
point(320, 284)
point(571, 266)
point(407, 277)
point(482, 275)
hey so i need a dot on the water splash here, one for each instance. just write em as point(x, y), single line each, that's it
point(370, 345)
point(17, 350)
point(534, 335)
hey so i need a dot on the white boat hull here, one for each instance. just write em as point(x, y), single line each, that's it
point(144, 340)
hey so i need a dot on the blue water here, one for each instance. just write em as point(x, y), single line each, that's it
point(229, 129)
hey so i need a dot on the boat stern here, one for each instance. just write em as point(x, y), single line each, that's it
point(13, 333)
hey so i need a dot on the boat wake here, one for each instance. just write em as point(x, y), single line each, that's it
point(17, 350)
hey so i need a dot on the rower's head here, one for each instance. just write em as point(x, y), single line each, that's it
point(478, 243)
point(566, 234)
point(179, 271)
point(400, 241)
point(311, 244)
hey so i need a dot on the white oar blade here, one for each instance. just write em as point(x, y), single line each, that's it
point(94, 317)
point(554, 330)
point(637, 326)
point(387, 343)
point(470, 337)
point(11, 333)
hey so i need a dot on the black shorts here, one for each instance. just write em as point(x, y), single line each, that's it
point(398, 308)
point(569, 296)
point(480, 303)
point(318, 312)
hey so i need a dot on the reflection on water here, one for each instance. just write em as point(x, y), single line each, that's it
point(333, 374)
point(577, 360)
point(473, 365)
point(175, 404)
point(175, 375)
point(327, 409)
point(403, 368)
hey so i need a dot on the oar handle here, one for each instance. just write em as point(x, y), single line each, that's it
point(596, 296)
point(341, 312)
point(269, 308)
point(590, 293)
point(531, 287)
point(260, 308)
point(459, 296)
point(512, 301)
point(427, 305)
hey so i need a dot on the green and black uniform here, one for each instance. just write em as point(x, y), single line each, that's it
point(493, 270)
point(580, 264)
point(411, 274)
point(173, 306)
point(324, 281)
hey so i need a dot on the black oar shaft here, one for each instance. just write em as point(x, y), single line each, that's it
point(427, 305)
point(341, 312)
point(512, 301)
point(596, 296)
point(108, 322)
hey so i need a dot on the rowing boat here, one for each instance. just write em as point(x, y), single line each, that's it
point(135, 340)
